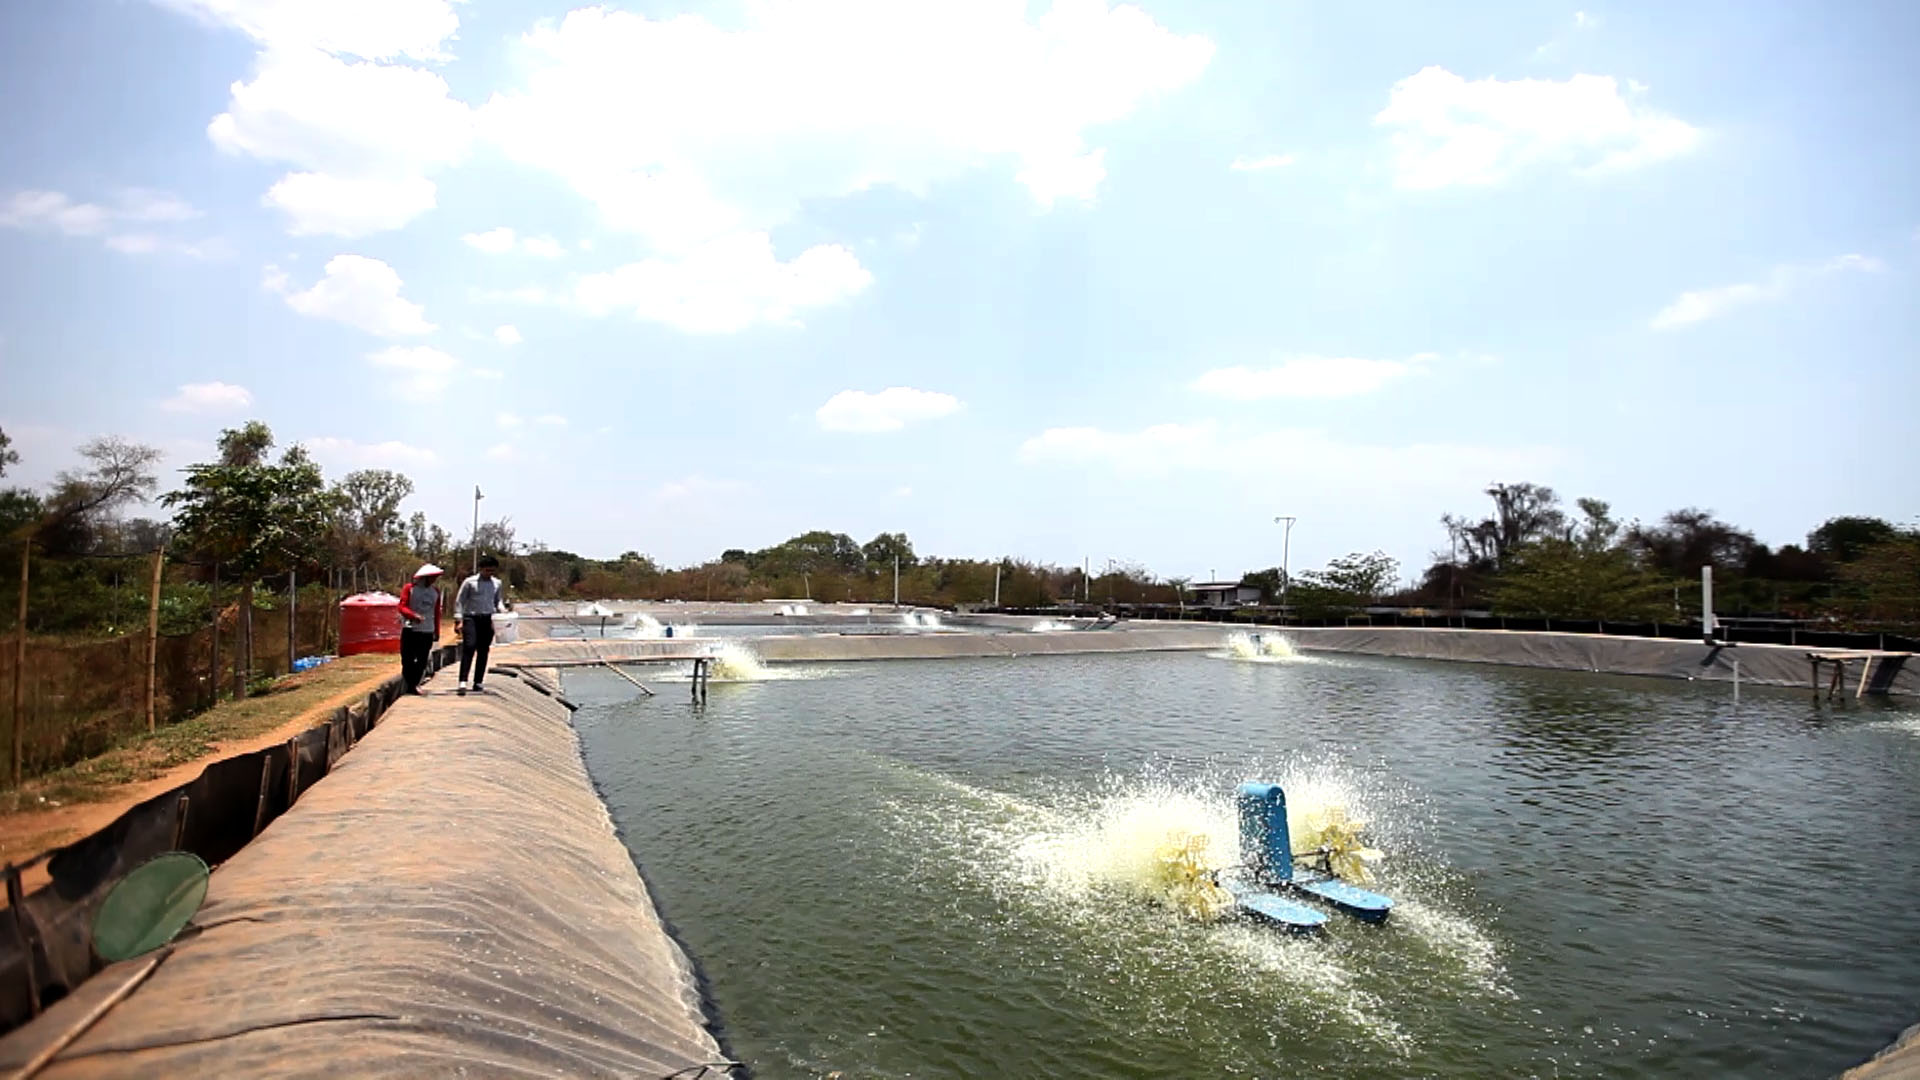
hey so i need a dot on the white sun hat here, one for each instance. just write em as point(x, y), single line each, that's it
point(427, 570)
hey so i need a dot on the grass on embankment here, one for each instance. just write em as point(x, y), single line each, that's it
point(143, 757)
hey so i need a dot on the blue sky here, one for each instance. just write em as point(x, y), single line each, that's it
point(1055, 280)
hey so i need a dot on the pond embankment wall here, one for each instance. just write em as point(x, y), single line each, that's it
point(450, 900)
point(1759, 665)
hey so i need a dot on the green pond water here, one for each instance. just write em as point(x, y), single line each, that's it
point(936, 868)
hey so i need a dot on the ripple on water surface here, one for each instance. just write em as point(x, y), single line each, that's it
point(936, 868)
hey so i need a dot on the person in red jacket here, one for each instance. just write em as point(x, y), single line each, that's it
point(419, 624)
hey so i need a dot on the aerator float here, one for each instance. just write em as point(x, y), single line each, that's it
point(1273, 879)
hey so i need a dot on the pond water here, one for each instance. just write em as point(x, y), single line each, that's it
point(935, 868)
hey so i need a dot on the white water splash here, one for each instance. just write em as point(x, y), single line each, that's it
point(735, 662)
point(1265, 647)
point(1049, 626)
point(1907, 722)
point(921, 620)
point(1088, 859)
point(792, 609)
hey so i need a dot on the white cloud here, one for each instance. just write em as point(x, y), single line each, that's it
point(1449, 131)
point(425, 369)
point(1309, 377)
point(530, 294)
point(508, 421)
point(494, 241)
point(143, 204)
point(889, 410)
point(507, 335)
point(697, 485)
point(1299, 453)
point(1584, 21)
point(500, 241)
point(358, 291)
point(1700, 305)
point(726, 286)
point(318, 204)
point(781, 106)
point(903, 492)
point(374, 29)
point(54, 211)
point(347, 454)
point(550, 420)
point(365, 136)
point(1262, 164)
point(208, 397)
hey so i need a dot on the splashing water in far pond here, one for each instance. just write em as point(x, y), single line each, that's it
point(737, 663)
point(1049, 626)
point(920, 620)
point(1261, 648)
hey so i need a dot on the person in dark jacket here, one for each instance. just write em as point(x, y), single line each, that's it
point(419, 624)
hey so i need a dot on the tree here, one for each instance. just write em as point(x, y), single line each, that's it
point(119, 472)
point(493, 537)
point(1686, 540)
point(1585, 574)
point(8, 456)
point(245, 445)
point(430, 543)
point(370, 503)
point(1357, 579)
point(1267, 581)
point(253, 517)
point(1522, 513)
point(880, 551)
point(1882, 581)
point(1844, 539)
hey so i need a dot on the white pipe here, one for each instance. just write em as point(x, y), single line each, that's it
point(1707, 625)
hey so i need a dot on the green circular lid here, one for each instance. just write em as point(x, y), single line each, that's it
point(150, 905)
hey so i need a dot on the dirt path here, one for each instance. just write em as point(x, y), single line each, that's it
point(55, 810)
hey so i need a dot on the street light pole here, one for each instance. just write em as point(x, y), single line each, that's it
point(1286, 549)
point(476, 527)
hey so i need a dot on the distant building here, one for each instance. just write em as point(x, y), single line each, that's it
point(1222, 594)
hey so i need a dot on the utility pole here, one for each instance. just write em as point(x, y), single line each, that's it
point(1286, 546)
point(996, 585)
point(476, 527)
point(896, 581)
point(1086, 578)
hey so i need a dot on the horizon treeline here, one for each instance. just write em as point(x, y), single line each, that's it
point(243, 528)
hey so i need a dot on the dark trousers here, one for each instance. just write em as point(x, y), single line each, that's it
point(475, 638)
point(415, 647)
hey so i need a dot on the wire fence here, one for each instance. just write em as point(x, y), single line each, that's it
point(81, 697)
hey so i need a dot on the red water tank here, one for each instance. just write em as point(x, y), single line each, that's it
point(370, 623)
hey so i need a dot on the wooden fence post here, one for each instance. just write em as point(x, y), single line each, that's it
point(153, 635)
point(213, 601)
point(293, 617)
point(20, 667)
